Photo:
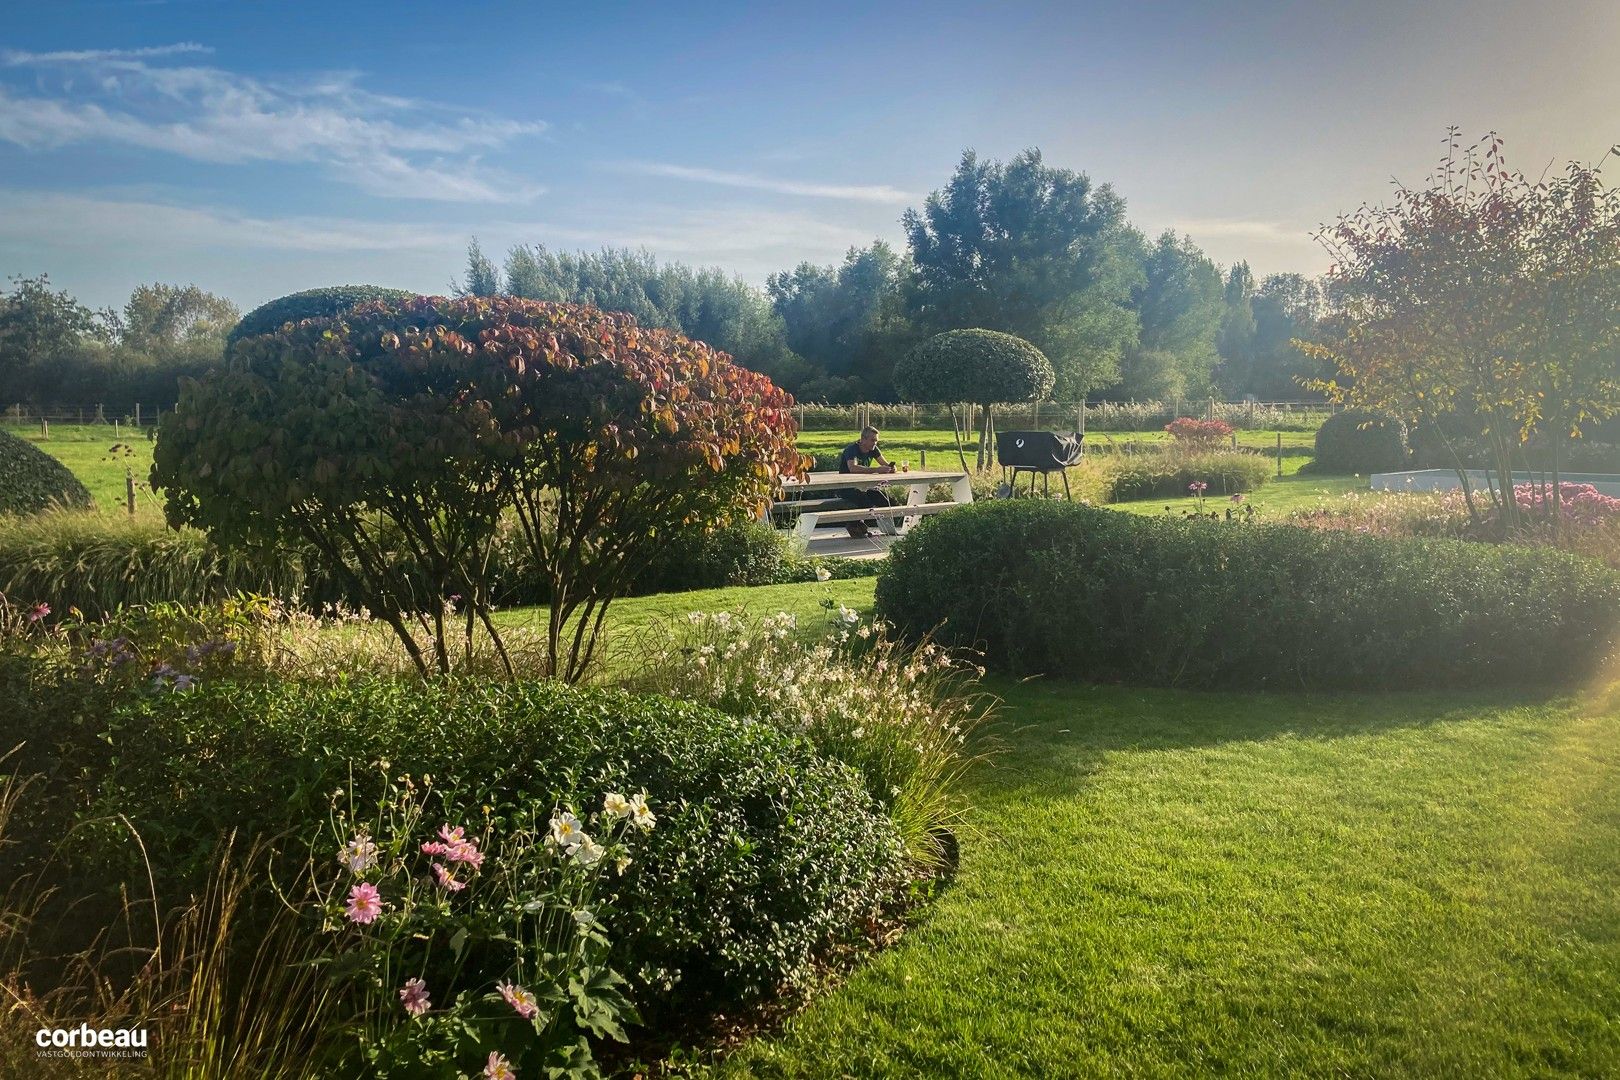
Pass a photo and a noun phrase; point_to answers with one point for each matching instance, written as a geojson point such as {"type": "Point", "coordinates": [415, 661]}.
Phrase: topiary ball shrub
{"type": "Point", "coordinates": [1361, 442]}
{"type": "Point", "coordinates": [1055, 588]}
{"type": "Point", "coordinates": [269, 317]}
{"type": "Point", "coordinates": [764, 852]}
{"type": "Point", "coordinates": [982, 366]}
{"type": "Point", "coordinates": [31, 480]}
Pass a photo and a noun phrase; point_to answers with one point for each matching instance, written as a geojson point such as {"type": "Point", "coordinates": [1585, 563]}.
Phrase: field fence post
{"type": "Point", "coordinates": [129, 490]}
{"type": "Point", "coordinates": [922, 460]}
{"type": "Point", "coordinates": [1279, 455]}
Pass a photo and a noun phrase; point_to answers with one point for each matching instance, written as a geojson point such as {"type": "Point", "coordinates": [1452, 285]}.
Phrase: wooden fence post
{"type": "Point", "coordinates": [1279, 455]}
{"type": "Point", "coordinates": [129, 490]}
{"type": "Point", "coordinates": [922, 460]}
{"type": "Point", "coordinates": [44, 429]}
{"type": "Point", "coordinates": [137, 414]}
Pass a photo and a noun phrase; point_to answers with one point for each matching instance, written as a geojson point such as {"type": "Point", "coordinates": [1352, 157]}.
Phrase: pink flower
{"type": "Point", "coordinates": [453, 846]}
{"type": "Point", "coordinates": [446, 880]}
{"type": "Point", "coordinates": [38, 612]}
{"type": "Point", "coordinates": [414, 996]}
{"type": "Point", "coordinates": [365, 903]}
{"type": "Point", "coordinates": [522, 1001]}
{"type": "Point", "coordinates": [498, 1068]}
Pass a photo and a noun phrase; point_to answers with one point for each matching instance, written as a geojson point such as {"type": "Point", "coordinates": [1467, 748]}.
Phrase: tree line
{"type": "Point", "coordinates": [1020, 247]}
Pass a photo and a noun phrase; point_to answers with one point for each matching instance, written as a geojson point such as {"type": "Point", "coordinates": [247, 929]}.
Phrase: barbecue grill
{"type": "Point", "coordinates": [1043, 452]}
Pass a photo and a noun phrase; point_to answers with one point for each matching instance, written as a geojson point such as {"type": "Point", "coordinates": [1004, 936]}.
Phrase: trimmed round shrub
{"type": "Point", "coordinates": [764, 851]}
{"type": "Point", "coordinates": [1061, 589]}
{"type": "Point", "coordinates": [31, 480]}
{"type": "Point", "coordinates": [269, 317]}
{"type": "Point", "coordinates": [1361, 442]}
{"type": "Point", "coordinates": [981, 366]}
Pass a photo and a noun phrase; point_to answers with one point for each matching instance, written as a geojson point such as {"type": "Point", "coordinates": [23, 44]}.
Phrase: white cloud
{"type": "Point", "coordinates": [880, 193]}
{"type": "Point", "coordinates": [1241, 229]}
{"type": "Point", "coordinates": [386, 146]}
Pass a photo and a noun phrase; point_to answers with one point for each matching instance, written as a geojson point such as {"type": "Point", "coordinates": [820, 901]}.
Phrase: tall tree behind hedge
{"type": "Point", "coordinates": [1179, 304]}
{"type": "Point", "coordinates": [45, 334]}
{"type": "Point", "coordinates": [1030, 250]}
{"type": "Point", "coordinates": [849, 321]}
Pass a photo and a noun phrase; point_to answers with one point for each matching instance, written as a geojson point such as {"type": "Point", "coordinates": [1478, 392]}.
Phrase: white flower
{"type": "Point", "coordinates": [643, 817]}
{"type": "Point", "coordinates": [863, 632]}
{"type": "Point", "coordinates": [584, 918]}
{"type": "Point", "coordinates": [848, 616]}
{"type": "Point", "coordinates": [694, 617]}
{"type": "Point", "coordinates": [358, 855]}
{"type": "Point", "coordinates": [566, 832]}
{"type": "Point", "coordinates": [620, 864]}
{"type": "Point", "coordinates": [823, 574]}
{"type": "Point", "coordinates": [588, 852]}
{"type": "Point", "coordinates": [616, 805]}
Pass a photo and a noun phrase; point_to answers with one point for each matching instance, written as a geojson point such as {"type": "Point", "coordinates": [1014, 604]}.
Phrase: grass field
{"type": "Point", "coordinates": [1171, 883]}
{"type": "Point", "coordinates": [87, 449]}
{"type": "Point", "coordinates": [902, 445]}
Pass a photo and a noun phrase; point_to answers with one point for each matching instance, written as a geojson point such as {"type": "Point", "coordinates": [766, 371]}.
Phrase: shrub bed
{"type": "Point", "coordinates": [1171, 474]}
{"type": "Point", "coordinates": [765, 852]}
{"type": "Point", "coordinates": [1062, 589]}
{"type": "Point", "coordinates": [31, 480]}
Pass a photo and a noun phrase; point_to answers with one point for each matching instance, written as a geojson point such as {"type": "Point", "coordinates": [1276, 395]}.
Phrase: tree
{"type": "Point", "coordinates": [847, 321]}
{"type": "Point", "coordinates": [980, 367]}
{"type": "Point", "coordinates": [1482, 296]}
{"type": "Point", "coordinates": [166, 322]}
{"type": "Point", "coordinates": [1235, 343]}
{"type": "Point", "coordinates": [483, 279]}
{"type": "Point", "coordinates": [43, 333]}
{"type": "Point", "coordinates": [1179, 305]}
{"type": "Point", "coordinates": [1033, 251]}
{"type": "Point", "coordinates": [394, 436]}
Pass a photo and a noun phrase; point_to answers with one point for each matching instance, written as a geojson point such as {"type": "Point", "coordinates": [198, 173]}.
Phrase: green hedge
{"type": "Point", "coordinates": [309, 304]}
{"type": "Point", "coordinates": [31, 480]}
{"type": "Point", "coordinates": [1361, 442]}
{"type": "Point", "coordinates": [764, 852]}
{"type": "Point", "coordinates": [1061, 589]}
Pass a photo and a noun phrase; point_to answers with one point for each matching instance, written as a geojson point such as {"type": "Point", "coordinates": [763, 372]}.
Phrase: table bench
{"type": "Point", "coordinates": [799, 496]}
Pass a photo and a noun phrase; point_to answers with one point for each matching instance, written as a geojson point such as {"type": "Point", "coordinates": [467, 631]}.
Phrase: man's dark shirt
{"type": "Point", "coordinates": [854, 454]}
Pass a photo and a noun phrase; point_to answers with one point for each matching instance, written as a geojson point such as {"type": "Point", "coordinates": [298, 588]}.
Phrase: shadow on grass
{"type": "Point", "coordinates": [1049, 729]}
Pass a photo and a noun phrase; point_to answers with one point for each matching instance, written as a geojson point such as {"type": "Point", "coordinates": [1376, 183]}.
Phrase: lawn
{"type": "Point", "coordinates": [902, 445]}
{"type": "Point", "coordinates": [1161, 882]}
{"type": "Point", "coordinates": [1168, 883]}
{"type": "Point", "coordinates": [87, 449]}
{"type": "Point", "coordinates": [1279, 498]}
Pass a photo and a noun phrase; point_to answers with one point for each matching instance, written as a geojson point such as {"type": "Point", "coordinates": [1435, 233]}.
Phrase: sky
{"type": "Point", "coordinates": [260, 148]}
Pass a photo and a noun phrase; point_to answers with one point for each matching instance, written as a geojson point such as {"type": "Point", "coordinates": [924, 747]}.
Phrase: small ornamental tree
{"type": "Point", "coordinates": [980, 367]}
{"type": "Point", "coordinates": [400, 432]}
{"type": "Point", "coordinates": [1484, 295]}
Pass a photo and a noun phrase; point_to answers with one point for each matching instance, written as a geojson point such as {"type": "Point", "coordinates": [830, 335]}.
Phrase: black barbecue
{"type": "Point", "coordinates": [1043, 452]}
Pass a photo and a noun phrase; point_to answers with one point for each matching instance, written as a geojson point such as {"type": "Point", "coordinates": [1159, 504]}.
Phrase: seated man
{"type": "Point", "coordinates": [863, 456]}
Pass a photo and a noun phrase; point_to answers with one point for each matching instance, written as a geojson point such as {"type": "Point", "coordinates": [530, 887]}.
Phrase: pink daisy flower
{"type": "Point", "coordinates": [498, 1068]}
{"type": "Point", "coordinates": [522, 1001]}
{"type": "Point", "coordinates": [414, 996]}
{"type": "Point", "coordinates": [365, 903]}
{"type": "Point", "coordinates": [446, 880]}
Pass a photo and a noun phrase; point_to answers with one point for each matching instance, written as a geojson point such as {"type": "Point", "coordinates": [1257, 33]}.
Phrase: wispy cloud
{"type": "Point", "coordinates": [879, 193]}
{"type": "Point", "coordinates": [386, 146]}
{"type": "Point", "coordinates": [1240, 229]}
{"type": "Point", "coordinates": [16, 57]}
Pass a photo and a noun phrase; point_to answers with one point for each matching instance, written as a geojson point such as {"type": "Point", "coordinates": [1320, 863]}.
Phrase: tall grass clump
{"type": "Point", "coordinates": [99, 563]}
{"type": "Point", "coordinates": [905, 717]}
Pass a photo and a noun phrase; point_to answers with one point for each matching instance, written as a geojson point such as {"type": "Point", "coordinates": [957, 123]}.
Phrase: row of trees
{"type": "Point", "coordinates": [55, 349]}
{"type": "Point", "coordinates": [1019, 247]}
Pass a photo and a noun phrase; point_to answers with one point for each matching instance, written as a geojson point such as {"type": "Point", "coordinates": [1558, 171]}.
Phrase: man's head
{"type": "Point", "coordinates": [869, 437]}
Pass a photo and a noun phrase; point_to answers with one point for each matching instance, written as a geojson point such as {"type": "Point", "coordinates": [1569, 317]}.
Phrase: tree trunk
{"type": "Point", "coordinates": [956, 430]}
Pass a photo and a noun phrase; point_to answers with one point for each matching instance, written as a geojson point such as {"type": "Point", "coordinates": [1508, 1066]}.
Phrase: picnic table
{"type": "Point", "coordinates": [814, 498]}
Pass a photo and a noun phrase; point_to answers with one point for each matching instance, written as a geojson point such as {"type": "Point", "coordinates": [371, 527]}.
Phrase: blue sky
{"type": "Point", "coordinates": [258, 148]}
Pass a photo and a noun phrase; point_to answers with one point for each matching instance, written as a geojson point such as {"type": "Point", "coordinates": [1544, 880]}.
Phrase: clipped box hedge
{"type": "Point", "coordinates": [1061, 589]}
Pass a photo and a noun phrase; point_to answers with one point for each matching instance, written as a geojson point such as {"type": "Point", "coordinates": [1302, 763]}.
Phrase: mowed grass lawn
{"type": "Point", "coordinates": [902, 444]}
{"type": "Point", "coordinates": [1157, 882]}
{"type": "Point", "coordinates": [88, 450]}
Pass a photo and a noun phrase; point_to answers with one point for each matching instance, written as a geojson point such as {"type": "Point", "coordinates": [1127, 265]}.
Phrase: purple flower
{"type": "Point", "coordinates": [38, 612]}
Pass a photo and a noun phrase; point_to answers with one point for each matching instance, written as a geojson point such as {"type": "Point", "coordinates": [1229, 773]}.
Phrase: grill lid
{"type": "Point", "coordinates": [1046, 451]}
